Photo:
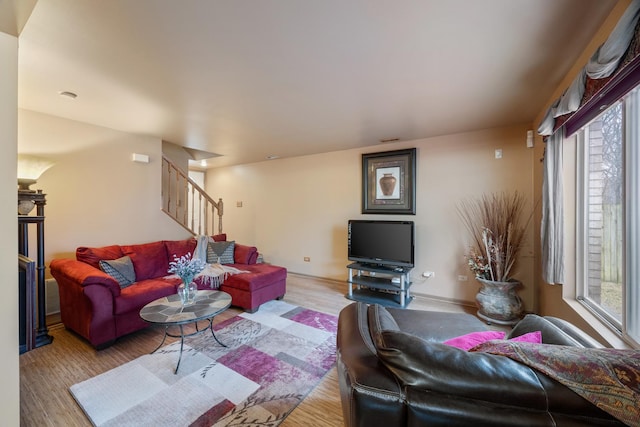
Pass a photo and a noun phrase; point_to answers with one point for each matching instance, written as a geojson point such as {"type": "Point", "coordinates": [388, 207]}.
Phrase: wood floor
{"type": "Point", "coordinates": [46, 373]}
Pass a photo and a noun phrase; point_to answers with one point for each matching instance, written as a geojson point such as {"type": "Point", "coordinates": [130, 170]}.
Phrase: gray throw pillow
{"type": "Point", "coordinates": [120, 269]}
{"type": "Point", "coordinates": [222, 251]}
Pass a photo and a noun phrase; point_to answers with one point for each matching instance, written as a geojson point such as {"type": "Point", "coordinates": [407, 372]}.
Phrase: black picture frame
{"type": "Point", "coordinates": [396, 193]}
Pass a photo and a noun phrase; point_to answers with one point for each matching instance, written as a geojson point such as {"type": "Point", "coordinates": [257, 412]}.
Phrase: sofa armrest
{"type": "Point", "coordinates": [73, 272]}
{"type": "Point", "coordinates": [554, 331]}
{"type": "Point", "coordinates": [244, 254]}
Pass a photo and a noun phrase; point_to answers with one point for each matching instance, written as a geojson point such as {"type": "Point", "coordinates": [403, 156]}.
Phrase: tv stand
{"type": "Point", "coordinates": [388, 286]}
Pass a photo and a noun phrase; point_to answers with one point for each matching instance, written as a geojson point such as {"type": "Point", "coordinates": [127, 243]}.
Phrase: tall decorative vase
{"type": "Point", "coordinates": [387, 184]}
{"type": "Point", "coordinates": [498, 302]}
{"type": "Point", "coordinates": [187, 293]}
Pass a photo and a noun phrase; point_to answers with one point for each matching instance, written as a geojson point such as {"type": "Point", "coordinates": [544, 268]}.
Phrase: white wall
{"type": "Point", "coordinates": [10, 390]}
{"type": "Point", "coordinates": [96, 194]}
{"type": "Point", "coordinates": [292, 208]}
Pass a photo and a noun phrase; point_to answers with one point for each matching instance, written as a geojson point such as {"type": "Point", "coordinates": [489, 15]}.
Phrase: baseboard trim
{"type": "Point", "coordinates": [453, 301]}
{"type": "Point", "coordinates": [324, 279]}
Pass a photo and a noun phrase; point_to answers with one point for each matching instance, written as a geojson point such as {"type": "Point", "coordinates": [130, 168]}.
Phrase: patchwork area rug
{"type": "Point", "coordinates": [274, 358]}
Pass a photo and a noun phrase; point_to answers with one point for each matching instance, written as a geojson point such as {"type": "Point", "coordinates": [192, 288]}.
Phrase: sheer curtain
{"type": "Point", "coordinates": [552, 227]}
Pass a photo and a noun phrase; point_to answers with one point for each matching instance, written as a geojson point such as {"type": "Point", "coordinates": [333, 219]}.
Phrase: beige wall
{"type": "Point", "coordinates": [292, 208]}
{"type": "Point", "coordinates": [176, 154]}
{"type": "Point", "coordinates": [560, 300]}
{"type": "Point", "coordinates": [10, 390]}
{"type": "Point", "coordinates": [96, 194]}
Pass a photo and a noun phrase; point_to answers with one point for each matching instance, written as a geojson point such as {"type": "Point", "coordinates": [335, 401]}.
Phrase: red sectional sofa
{"type": "Point", "coordinates": [93, 304]}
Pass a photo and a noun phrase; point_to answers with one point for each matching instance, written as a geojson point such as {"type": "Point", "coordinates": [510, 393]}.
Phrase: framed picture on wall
{"type": "Point", "coordinates": [389, 182]}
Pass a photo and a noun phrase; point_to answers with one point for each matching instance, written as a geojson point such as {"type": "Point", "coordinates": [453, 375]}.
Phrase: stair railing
{"type": "Point", "coordinates": [187, 203]}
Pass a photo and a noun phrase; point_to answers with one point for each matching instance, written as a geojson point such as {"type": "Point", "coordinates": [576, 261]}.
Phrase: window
{"type": "Point", "coordinates": [607, 216]}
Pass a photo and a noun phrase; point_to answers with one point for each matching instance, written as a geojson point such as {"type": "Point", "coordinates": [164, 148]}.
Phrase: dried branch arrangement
{"type": "Point", "coordinates": [497, 225]}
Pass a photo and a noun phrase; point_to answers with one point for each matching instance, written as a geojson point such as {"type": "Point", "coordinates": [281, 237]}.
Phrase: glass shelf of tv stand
{"type": "Point", "coordinates": [376, 284]}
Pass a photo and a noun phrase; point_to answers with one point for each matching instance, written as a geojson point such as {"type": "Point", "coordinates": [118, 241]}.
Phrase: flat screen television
{"type": "Point", "coordinates": [381, 243]}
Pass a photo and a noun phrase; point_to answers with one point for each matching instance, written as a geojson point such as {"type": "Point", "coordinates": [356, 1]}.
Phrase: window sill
{"type": "Point", "coordinates": [605, 334]}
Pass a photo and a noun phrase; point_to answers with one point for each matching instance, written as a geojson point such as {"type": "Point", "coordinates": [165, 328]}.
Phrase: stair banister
{"type": "Point", "coordinates": [196, 215]}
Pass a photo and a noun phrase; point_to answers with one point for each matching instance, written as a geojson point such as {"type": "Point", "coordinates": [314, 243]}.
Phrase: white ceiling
{"type": "Point", "coordinates": [246, 78]}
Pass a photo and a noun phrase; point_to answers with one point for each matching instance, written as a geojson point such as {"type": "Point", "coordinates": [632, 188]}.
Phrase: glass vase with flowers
{"type": "Point", "coordinates": [186, 268]}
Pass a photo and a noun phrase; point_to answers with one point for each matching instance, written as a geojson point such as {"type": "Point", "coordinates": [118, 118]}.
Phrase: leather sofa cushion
{"type": "Point", "coordinates": [443, 369]}
{"type": "Point", "coordinates": [149, 259]}
{"type": "Point", "coordinates": [435, 326]}
{"type": "Point", "coordinates": [93, 256]}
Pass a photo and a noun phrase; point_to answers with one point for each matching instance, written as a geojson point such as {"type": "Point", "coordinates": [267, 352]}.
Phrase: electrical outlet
{"type": "Point", "coordinates": [238, 204]}
{"type": "Point", "coordinates": [498, 153]}
{"type": "Point", "coordinates": [307, 259]}
{"type": "Point", "coordinates": [462, 278]}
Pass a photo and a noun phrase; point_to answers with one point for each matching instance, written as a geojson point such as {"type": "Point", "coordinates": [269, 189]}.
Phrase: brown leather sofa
{"type": "Point", "coordinates": [444, 385]}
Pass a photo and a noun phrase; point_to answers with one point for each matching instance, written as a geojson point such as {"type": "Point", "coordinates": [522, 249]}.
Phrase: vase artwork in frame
{"type": "Point", "coordinates": [388, 182]}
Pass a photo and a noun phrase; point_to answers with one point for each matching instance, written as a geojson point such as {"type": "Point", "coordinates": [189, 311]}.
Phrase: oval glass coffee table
{"type": "Point", "coordinates": [169, 312]}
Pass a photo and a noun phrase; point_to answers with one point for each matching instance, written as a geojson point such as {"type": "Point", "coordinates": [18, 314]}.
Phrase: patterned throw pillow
{"type": "Point", "coordinates": [222, 251]}
{"type": "Point", "coordinates": [120, 269]}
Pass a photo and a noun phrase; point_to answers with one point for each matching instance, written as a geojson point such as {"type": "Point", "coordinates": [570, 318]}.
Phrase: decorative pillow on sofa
{"type": "Point", "coordinates": [150, 260]}
{"type": "Point", "coordinates": [180, 248]}
{"type": "Point", "coordinates": [92, 256]}
{"type": "Point", "coordinates": [120, 269]}
{"type": "Point", "coordinates": [244, 254]}
{"type": "Point", "coordinates": [468, 341]}
{"type": "Point", "coordinates": [220, 252]}
{"type": "Point", "coordinates": [533, 337]}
